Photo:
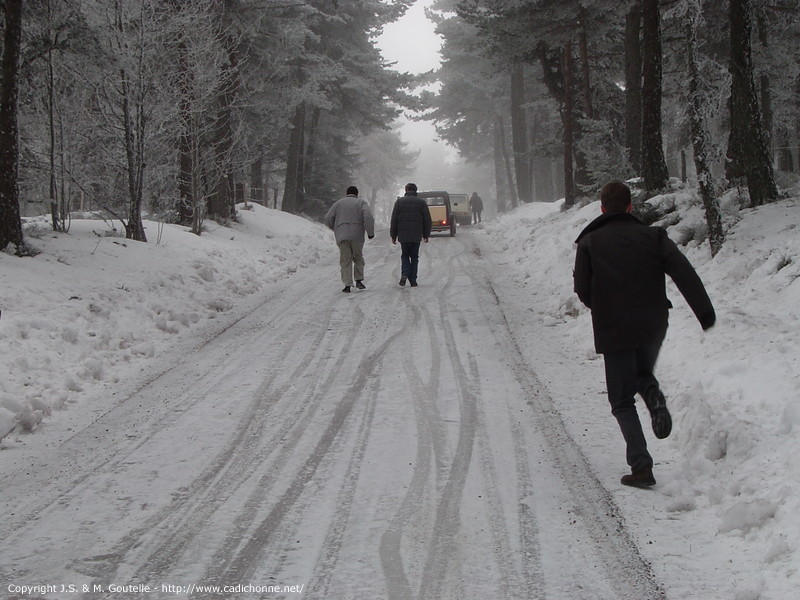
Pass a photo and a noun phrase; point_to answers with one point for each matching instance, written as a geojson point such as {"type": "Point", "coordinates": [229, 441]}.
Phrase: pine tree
{"type": "Point", "coordinates": [700, 139]}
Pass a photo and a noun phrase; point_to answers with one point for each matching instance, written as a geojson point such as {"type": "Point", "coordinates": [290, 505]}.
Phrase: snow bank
{"type": "Point", "coordinates": [91, 306]}
{"type": "Point", "coordinates": [733, 391]}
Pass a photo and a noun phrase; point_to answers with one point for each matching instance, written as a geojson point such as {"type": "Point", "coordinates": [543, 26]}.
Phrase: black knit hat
{"type": "Point", "coordinates": [352, 191]}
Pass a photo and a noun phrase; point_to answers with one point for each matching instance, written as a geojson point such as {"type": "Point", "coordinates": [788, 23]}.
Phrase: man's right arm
{"type": "Point", "coordinates": [393, 223]}
{"type": "Point", "coordinates": [681, 271]}
{"type": "Point", "coordinates": [582, 276]}
{"type": "Point", "coordinates": [330, 216]}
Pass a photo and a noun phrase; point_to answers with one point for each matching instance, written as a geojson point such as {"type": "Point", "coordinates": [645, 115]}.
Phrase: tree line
{"type": "Point", "coordinates": [182, 108]}
{"type": "Point", "coordinates": [563, 95]}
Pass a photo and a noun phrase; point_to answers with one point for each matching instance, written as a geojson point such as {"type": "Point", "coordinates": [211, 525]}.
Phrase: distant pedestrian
{"type": "Point", "coordinates": [476, 204]}
{"type": "Point", "coordinates": [620, 270]}
{"type": "Point", "coordinates": [411, 224]}
{"type": "Point", "coordinates": [350, 217]}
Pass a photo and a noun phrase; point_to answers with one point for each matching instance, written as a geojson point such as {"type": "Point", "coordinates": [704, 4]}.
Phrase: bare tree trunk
{"type": "Point", "coordinates": [764, 88]}
{"type": "Point", "coordinates": [654, 166]}
{"type": "Point", "coordinates": [257, 193]}
{"type": "Point", "coordinates": [519, 132]}
{"type": "Point", "coordinates": [185, 166]}
{"type": "Point", "coordinates": [633, 88]}
{"type": "Point", "coordinates": [51, 117]}
{"type": "Point", "coordinates": [507, 160]}
{"type": "Point", "coordinates": [785, 159]}
{"type": "Point", "coordinates": [499, 181]}
{"type": "Point", "coordinates": [223, 202]}
{"type": "Point", "coordinates": [586, 81]}
{"type": "Point", "coordinates": [568, 120]}
{"type": "Point", "coordinates": [133, 132]}
{"type": "Point", "coordinates": [294, 162]}
{"type": "Point", "coordinates": [10, 221]}
{"type": "Point", "coordinates": [700, 142]}
{"type": "Point", "coordinates": [747, 147]}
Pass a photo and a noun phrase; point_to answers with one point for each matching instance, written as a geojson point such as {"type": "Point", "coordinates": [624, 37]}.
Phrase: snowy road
{"type": "Point", "coordinates": [390, 443]}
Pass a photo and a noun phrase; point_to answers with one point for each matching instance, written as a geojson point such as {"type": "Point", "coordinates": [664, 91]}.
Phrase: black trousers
{"type": "Point", "coordinates": [629, 372]}
{"type": "Point", "coordinates": [409, 260]}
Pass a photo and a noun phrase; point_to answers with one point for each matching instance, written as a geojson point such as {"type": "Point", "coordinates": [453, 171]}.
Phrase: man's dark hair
{"type": "Point", "coordinates": [352, 191]}
{"type": "Point", "coordinates": [615, 197]}
{"type": "Point", "coordinates": [411, 187]}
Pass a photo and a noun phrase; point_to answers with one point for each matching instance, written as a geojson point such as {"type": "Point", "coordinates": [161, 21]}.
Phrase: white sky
{"type": "Point", "coordinates": [412, 44]}
{"type": "Point", "coordinates": [411, 41]}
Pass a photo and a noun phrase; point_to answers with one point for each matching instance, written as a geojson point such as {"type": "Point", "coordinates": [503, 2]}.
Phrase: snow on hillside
{"type": "Point", "coordinates": [91, 313]}
{"type": "Point", "coordinates": [91, 308]}
{"type": "Point", "coordinates": [729, 469]}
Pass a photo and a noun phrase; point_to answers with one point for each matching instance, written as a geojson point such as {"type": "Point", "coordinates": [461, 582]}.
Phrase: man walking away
{"type": "Point", "coordinates": [411, 223]}
{"type": "Point", "coordinates": [350, 217]}
{"type": "Point", "coordinates": [476, 204]}
{"type": "Point", "coordinates": [620, 269]}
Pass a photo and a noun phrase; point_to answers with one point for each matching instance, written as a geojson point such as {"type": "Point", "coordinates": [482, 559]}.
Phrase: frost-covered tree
{"type": "Point", "coordinates": [748, 155]}
{"type": "Point", "coordinates": [384, 161]}
{"type": "Point", "coordinates": [344, 90]}
{"type": "Point", "coordinates": [698, 111]}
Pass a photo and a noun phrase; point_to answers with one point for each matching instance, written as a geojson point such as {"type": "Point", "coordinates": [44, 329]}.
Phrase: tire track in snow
{"type": "Point", "coordinates": [437, 572]}
{"type": "Point", "coordinates": [629, 574]}
{"type": "Point", "coordinates": [153, 554]}
{"type": "Point", "coordinates": [529, 582]}
{"type": "Point", "coordinates": [429, 448]}
{"type": "Point", "coordinates": [144, 413]}
{"type": "Point", "coordinates": [319, 583]}
{"type": "Point", "coordinates": [239, 562]}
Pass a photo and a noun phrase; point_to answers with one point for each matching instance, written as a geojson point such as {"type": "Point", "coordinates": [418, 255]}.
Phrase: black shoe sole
{"type": "Point", "coordinates": [659, 415]}
{"type": "Point", "coordinates": [662, 423]}
{"type": "Point", "coordinates": [403, 281]}
{"type": "Point", "coordinates": [642, 484]}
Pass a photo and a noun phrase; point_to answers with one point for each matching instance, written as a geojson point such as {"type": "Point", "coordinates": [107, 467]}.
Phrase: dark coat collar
{"type": "Point", "coordinates": [604, 219]}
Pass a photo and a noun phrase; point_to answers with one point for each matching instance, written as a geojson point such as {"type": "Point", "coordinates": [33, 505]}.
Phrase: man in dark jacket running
{"type": "Point", "coordinates": [411, 223]}
{"type": "Point", "coordinates": [620, 269]}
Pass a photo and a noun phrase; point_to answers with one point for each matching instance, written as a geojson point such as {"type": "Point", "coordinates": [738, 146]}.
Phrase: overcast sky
{"type": "Point", "coordinates": [412, 44]}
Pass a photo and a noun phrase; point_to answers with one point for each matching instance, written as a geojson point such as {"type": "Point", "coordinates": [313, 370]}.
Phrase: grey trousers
{"type": "Point", "coordinates": [351, 261]}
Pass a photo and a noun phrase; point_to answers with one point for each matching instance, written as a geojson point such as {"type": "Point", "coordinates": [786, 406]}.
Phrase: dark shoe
{"type": "Point", "coordinates": [659, 415]}
{"type": "Point", "coordinates": [346, 289]}
{"type": "Point", "coordinates": [403, 280]}
{"type": "Point", "coordinates": [413, 284]}
{"type": "Point", "coordinates": [639, 479]}
{"type": "Point", "coordinates": [360, 285]}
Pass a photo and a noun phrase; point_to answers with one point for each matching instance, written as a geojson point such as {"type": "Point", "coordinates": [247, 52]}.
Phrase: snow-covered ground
{"type": "Point", "coordinates": [728, 475]}
{"type": "Point", "coordinates": [93, 308]}
{"type": "Point", "coordinates": [91, 314]}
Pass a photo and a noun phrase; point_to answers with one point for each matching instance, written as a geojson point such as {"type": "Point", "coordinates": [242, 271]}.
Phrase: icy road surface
{"type": "Point", "coordinates": [390, 443]}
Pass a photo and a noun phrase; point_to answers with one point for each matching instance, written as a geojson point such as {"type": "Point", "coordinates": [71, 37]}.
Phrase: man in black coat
{"type": "Point", "coordinates": [411, 223]}
{"type": "Point", "coordinates": [620, 269]}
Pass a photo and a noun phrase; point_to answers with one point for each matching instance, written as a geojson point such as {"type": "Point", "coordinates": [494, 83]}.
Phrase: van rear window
{"type": "Point", "coordinates": [435, 201]}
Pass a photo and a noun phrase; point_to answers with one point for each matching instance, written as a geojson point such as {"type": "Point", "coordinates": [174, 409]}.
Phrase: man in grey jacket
{"type": "Point", "coordinates": [350, 217]}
